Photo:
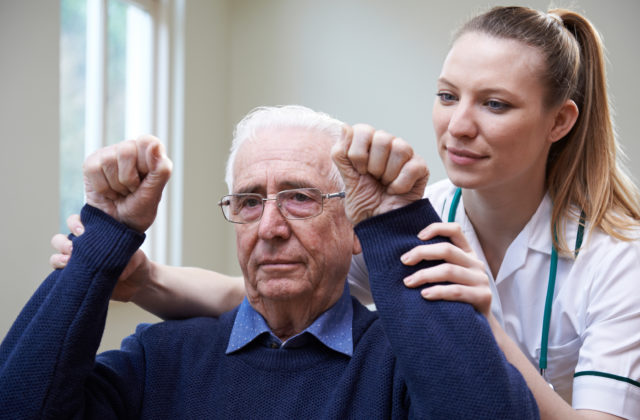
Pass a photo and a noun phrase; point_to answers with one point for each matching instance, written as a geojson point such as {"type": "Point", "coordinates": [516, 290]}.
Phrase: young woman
{"type": "Point", "coordinates": [543, 221]}
{"type": "Point", "coordinates": [524, 131]}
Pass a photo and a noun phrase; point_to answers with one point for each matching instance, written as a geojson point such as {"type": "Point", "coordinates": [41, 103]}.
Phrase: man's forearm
{"type": "Point", "coordinates": [446, 351]}
{"type": "Point", "coordinates": [52, 344]}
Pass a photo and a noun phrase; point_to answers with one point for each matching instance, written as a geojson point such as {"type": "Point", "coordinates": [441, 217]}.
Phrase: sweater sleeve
{"type": "Point", "coordinates": [446, 352]}
{"type": "Point", "coordinates": [47, 358]}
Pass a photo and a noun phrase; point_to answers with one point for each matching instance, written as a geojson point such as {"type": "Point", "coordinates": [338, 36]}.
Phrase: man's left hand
{"type": "Point", "coordinates": [380, 171]}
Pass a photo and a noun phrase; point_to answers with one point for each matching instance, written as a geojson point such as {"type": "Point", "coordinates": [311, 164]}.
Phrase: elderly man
{"type": "Point", "coordinates": [299, 346]}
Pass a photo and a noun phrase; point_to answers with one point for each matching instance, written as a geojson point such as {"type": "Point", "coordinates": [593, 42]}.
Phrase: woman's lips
{"type": "Point", "coordinates": [463, 157]}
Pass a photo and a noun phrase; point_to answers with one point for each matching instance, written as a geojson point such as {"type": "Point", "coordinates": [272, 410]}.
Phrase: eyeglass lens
{"type": "Point", "coordinates": [301, 203]}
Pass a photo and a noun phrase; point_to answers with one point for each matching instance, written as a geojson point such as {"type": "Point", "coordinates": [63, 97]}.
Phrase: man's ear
{"type": "Point", "coordinates": [565, 119]}
{"type": "Point", "coordinates": [356, 244]}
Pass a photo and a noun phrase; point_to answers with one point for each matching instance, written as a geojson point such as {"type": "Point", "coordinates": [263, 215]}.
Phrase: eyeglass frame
{"type": "Point", "coordinates": [323, 196]}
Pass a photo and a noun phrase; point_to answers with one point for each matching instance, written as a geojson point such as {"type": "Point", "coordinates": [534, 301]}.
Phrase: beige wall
{"type": "Point", "coordinates": [371, 61]}
{"type": "Point", "coordinates": [29, 33]}
{"type": "Point", "coordinates": [377, 61]}
{"type": "Point", "coordinates": [207, 134]}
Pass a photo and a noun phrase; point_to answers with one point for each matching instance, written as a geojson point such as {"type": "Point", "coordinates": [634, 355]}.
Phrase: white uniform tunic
{"type": "Point", "coordinates": [595, 320]}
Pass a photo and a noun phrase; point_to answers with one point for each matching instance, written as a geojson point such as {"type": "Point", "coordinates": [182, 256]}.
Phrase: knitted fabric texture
{"type": "Point", "coordinates": [418, 359]}
{"type": "Point", "coordinates": [459, 339]}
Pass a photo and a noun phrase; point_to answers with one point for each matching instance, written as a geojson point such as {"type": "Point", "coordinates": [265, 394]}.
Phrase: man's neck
{"type": "Point", "coordinates": [287, 318]}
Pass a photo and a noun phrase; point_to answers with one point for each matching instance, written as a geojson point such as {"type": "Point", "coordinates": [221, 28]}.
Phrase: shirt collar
{"type": "Point", "coordinates": [538, 228]}
{"type": "Point", "coordinates": [536, 234]}
{"type": "Point", "coordinates": [333, 328]}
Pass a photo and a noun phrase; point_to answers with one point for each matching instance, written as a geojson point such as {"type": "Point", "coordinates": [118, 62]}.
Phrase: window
{"type": "Point", "coordinates": [114, 85]}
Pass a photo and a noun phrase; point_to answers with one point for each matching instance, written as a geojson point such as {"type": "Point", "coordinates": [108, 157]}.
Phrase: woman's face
{"type": "Point", "coordinates": [491, 123]}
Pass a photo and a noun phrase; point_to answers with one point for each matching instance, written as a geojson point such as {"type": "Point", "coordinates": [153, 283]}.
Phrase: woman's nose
{"type": "Point", "coordinates": [462, 122]}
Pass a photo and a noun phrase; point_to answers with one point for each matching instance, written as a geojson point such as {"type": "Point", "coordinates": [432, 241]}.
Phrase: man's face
{"type": "Point", "coordinates": [292, 261]}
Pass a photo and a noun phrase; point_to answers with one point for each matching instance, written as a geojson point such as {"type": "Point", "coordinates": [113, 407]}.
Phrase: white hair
{"type": "Point", "coordinates": [286, 116]}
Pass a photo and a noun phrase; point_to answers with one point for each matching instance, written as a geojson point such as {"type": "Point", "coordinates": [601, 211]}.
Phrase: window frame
{"type": "Point", "coordinates": [163, 243]}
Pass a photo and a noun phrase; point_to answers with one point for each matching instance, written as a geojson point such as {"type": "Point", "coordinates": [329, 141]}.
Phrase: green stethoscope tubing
{"type": "Point", "coordinates": [553, 268]}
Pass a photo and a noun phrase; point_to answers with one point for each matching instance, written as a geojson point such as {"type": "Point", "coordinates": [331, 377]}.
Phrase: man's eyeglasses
{"type": "Point", "coordinates": [299, 203]}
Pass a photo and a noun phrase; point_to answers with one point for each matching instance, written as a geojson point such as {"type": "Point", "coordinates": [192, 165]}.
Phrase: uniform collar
{"type": "Point", "coordinates": [333, 328]}
{"type": "Point", "coordinates": [536, 235]}
{"type": "Point", "coordinates": [538, 229]}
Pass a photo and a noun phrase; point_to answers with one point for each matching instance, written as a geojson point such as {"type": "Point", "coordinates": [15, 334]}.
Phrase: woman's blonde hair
{"type": "Point", "coordinates": [583, 171]}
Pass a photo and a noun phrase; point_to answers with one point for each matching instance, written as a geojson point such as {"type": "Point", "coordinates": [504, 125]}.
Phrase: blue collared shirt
{"type": "Point", "coordinates": [333, 328]}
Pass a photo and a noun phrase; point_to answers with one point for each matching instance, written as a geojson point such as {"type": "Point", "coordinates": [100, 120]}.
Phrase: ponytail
{"type": "Point", "coordinates": [583, 171]}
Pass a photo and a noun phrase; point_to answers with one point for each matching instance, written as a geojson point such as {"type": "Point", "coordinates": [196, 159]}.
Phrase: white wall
{"type": "Point", "coordinates": [372, 61]}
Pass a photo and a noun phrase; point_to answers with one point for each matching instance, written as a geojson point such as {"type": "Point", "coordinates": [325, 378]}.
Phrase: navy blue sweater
{"type": "Point", "coordinates": [413, 359]}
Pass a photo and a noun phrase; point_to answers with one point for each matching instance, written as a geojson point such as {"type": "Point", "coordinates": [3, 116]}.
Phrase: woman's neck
{"type": "Point", "coordinates": [498, 216]}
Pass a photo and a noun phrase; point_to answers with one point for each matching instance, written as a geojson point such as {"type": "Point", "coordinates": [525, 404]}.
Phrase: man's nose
{"type": "Point", "coordinates": [273, 224]}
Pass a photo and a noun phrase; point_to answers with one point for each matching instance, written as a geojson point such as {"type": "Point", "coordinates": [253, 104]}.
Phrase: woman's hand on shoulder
{"type": "Point", "coordinates": [461, 268]}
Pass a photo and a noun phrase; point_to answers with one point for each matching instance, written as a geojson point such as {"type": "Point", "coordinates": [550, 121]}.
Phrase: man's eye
{"type": "Point", "coordinates": [251, 202]}
{"type": "Point", "coordinates": [301, 197]}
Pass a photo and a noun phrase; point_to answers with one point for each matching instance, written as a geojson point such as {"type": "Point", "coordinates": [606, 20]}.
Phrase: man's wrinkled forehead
{"type": "Point", "coordinates": [284, 183]}
{"type": "Point", "coordinates": [285, 159]}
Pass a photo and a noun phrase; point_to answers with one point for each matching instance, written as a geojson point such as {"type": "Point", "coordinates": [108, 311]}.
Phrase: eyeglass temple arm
{"type": "Point", "coordinates": [340, 194]}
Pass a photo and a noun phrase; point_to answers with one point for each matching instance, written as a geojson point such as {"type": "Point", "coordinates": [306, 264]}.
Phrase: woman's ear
{"type": "Point", "coordinates": [565, 119]}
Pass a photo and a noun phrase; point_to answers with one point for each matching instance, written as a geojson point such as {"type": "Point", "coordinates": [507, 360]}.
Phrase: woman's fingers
{"type": "Point", "coordinates": [63, 245]}
{"type": "Point", "coordinates": [453, 231]}
{"type": "Point", "coordinates": [75, 225]}
{"type": "Point", "coordinates": [447, 273]}
{"type": "Point", "coordinates": [464, 274]}
{"type": "Point", "coordinates": [478, 297]}
{"type": "Point", "coordinates": [440, 251]}
{"type": "Point", "coordinates": [469, 285]}
{"type": "Point", "coordinates": [58, 261]}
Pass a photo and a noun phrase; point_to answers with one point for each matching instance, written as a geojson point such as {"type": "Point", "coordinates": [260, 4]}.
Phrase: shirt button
{"type": "Point", "coordinates": [274, 345]}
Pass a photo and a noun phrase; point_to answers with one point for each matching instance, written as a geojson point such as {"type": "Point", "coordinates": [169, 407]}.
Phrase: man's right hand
{"type": "Point", "coordinates": [126, 180]}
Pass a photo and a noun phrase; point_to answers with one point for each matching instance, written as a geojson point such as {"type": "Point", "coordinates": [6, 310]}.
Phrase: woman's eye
{"type": "Point", "coordinates": [497, 105]}
{"type": "Point", "coordinates": [446, 97]}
